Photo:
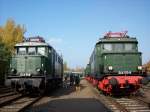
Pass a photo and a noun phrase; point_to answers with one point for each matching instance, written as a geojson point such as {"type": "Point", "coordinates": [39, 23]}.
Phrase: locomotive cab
{"type": "Point", "coordinates": [34, 66]}
{"type": "Point", "coordinates": [116, 64]}
{"type": "Point", "coordinates": [121, 57]}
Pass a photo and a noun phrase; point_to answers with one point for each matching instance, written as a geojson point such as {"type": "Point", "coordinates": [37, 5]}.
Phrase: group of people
{"type": "Point", "coordinates": [73, 80]}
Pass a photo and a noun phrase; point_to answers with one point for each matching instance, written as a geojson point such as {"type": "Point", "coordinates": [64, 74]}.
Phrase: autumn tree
{"type": "Point", "coordinates": [11, 34]}
{"type": "Point", "coordinates": [3, 61]}
{"type": "Point", "coordinates": [147, 67]}
{"type": "Point", "coordinates": [3, 51]}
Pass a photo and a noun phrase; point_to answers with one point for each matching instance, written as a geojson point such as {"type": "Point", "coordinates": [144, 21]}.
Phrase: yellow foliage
{"type": "Point", "coordinates": [11, 34]}
{"type": "Point", "coordinates": [147, 67]}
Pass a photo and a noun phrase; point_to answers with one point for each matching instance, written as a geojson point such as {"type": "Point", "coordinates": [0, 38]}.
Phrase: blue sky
{"type": "Point", "coordinates": [74, 26]}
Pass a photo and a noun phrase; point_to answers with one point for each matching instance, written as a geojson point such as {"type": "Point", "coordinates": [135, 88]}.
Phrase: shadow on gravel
{"type": "Point", "coordinates": [63, 91]}
{"type": "Point", "coordinates": [71, 105]}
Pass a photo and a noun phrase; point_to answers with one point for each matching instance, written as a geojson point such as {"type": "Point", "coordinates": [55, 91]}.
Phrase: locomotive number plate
{"type": "Point", "coordinates": [124, 72]}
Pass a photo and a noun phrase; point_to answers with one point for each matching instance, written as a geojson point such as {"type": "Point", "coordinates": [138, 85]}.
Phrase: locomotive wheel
{"type": "Point", "coordinates": [113, 81]}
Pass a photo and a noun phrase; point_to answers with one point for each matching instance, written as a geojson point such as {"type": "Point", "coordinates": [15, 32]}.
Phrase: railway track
{"type": "Point", "coordinates": [11, 101]}
{"type": "Point", "coordinates": [7, 99]}
{"type": "Point", "coordinates": [4, 90]}
{"type": "Point", "coordinates": [147, 87]}
{"type": "Point", "coordinates": [123, 104]}
{"type": "Point", "coordinates": [131, 105]}
{"type": "Point", "coordinates": [7, 94]}
{"type": "Point", "coordinates": [19, 104]}
{"type": "Point", "coordinates": [142, 101]}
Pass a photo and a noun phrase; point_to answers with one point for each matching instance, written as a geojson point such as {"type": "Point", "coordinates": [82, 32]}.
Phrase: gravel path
{"type": "Point", "coordinates": [69, 100]}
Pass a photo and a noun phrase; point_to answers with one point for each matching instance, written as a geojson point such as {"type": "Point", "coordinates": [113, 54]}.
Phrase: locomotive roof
{"type": "Point", "coordinates": [117, 39]}
{"type": "Point", "coordinates": [32, 44]}
{"type": "Point", "coordinates": [35, 44]}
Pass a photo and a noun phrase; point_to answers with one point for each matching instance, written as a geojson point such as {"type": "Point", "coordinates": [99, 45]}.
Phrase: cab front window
{"type": "Point", "coordinates": [22, 50]}
{"type": "Point", "coordinates": [31, 51]}
{"type": "Point", "coordinates": [128, 47]}
{"type": "Point", "coordinates": [107, 47]}
{"type": "Point", "coordinates": [118, 47]}
{"type": "Point", "coordinates": [41, 50]}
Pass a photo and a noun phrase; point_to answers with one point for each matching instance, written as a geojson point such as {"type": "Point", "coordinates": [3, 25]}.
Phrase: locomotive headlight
{"type": "Point", "coordinates": [13, 70]}
{"type": "Point", "coordinates": [110, 68]}
{"type": "Point", "coordinates": [38, 70]}
{"type": "Point", "coordinates": [139, 67]}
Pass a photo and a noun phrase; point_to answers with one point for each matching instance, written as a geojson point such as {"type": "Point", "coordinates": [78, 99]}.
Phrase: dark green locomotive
{"type": "Point", "coordinates": [87, 70]}
{"type": "Point", "coordinates": [116, 64]}
{"type": "Point", "coordinates": [35, 66]}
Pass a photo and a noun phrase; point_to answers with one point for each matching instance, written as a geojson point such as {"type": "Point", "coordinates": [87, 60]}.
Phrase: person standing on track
{"type": "Point", "coordinates": [71, 80]}
{"type": "Point", "coordinates": [66, 82]}
{"type": "Point", "coordinates": [77, 82]}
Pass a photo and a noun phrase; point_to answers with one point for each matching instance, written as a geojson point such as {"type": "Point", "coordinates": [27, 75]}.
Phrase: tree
{"type": "Point", "coordinates": [147, 67]}
{"type": "Point", "coordinates": [3, 61]}
{"type": "Point", "coordinates": [2, 50]}
{"type": "Point", "coordinates": [11, 34]}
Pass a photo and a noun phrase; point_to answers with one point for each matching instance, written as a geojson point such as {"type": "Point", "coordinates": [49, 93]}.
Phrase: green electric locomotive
{"type": "Point", "coordinates": [36, 66]}
{"type": "Point", "coordinates": [87, 70]}
{"type": "Point", "coordinates": [116, 64]}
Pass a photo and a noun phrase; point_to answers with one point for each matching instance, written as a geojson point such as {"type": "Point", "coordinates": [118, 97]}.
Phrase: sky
{"type": "Point", "coordinates": [73, 27]}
